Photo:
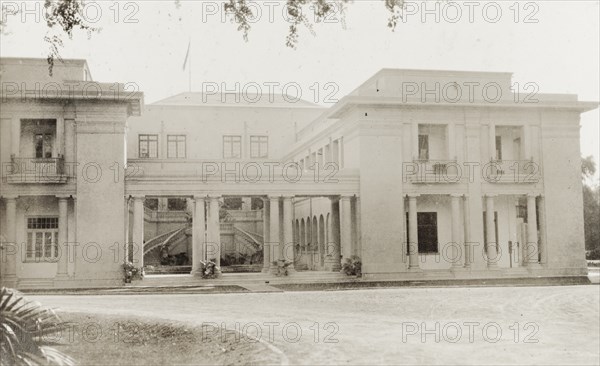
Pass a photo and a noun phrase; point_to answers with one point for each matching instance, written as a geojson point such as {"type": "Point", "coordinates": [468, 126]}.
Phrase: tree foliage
{"type": "Point", "coordinates": [64, 17]}
{"type": "Point", "coordinates": [297, 11]}
{"type": "Point", "coordinates": [588, 167]}
{"type": "Point", "coordinates": [591, 205]}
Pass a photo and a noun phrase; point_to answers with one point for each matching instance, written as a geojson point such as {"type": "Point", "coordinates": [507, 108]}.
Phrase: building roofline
{"type": "Point", "coordinates": [43, 60]}
{"type": "Point", "coordinates": [165, 102]}
{"type": "Point", "coordinates": [428, 72]}
{"type": "Point", "coordinates": [352, 100]}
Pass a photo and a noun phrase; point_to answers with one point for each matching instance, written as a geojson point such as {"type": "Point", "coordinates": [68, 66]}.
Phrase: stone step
{"type": "Point", "coordinates": [243, 278]}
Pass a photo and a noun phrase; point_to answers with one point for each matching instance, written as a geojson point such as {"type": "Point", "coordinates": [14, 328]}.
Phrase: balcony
{"type": "Point", "coordinates": [432, 171]}
{"type": "Point", "coordinates": [35, 170]}
{"type": "Point", "coordinates": [511, 171]}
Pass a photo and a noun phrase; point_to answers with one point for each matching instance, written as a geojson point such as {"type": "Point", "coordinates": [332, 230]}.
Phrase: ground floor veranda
{"type": "Point", "coordinates": [311, 232]}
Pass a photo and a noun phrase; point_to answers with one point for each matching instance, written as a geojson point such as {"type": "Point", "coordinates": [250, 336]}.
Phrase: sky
{"type": "Point", "coordinates": [554, 44]}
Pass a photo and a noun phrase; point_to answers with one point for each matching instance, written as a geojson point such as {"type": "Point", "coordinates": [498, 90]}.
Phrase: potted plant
{"type": "Point", "coordinates": [352, 266]}
{"type": "Point", "coordinates": [210, 269]}
{"type": "Point", "coordinates": [132, 272]}
{"type": "Point", "coordinates": [282, 267]}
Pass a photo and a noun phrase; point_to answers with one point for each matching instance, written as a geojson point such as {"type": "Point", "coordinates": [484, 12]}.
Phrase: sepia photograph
{"type": "Point", "coordinates": [299, 182]}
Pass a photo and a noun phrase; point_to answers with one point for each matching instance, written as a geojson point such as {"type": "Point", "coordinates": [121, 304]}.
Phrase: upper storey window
{"type": "Point", "coordinates": [259, 146]}
{"type": "Point", "coordinates": [232, 147]}
{"type": "Point", "coordinates": [37, 139]}
{"type": "Point", "coordinates": [176, 146]}
{"type": "Point", "coordinates": [423, 147]}
{"type": "Point", "coordinates": [508, 143]}
{"type": "Point", "coordinates": [44, 143]}
{"type": "Point", "coordinates": [148, 146]}
{"type": "Point", "coordinates": [432, 142]}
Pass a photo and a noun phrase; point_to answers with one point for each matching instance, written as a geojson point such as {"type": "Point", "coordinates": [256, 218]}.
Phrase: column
{"type": "Point", "coordinates": [346, 227]}
{"type": "Point", "coordinates": [490, 233]}
{"type": "Point", "coordinates": [532, 235]}
{"type": "Point", "coordinates": [467, 226]}
{"type": "Point", "coordinates": [358, 249]}
{"type": "Point", "coordinates": [74, 267]}
{"type": "Point", "coordinates": [413, 234]}
{"type": "Point", "coordinates": [213, 250]}
{"type": "Point", "coordinates": [266, 236]}
{"type": "Point", "coordinates": [456, 252]}
{"type": "Point", "coordinates": [542, 245]}
{"type": "Point", "coordinates": [287, 251]}
{"type": "Point", "coordinates": [62, 269]}
{"type": "Point", "coordinates": [60, 137]}
{"type": "Point", "coordinates": [16, 137]}
{"type": "Point", "coordinates": [69, 142]}
{"type": "Point", "coordinates": [335, 235]}
{"type": "Point", "coordinates": [10, 248]}
{"type": "Point", "coordinates": [126, 236]}
{"type": "Point", "coordinates": [198, 235]}
{"type": "Point", "coordinates": [138, 231]}
{"type": "Point", "coordinates": [274, 230]}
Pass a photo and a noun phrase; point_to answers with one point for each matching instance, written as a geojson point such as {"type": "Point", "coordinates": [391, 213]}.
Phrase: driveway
{"type": "Point", "coordinates": [495, 325]}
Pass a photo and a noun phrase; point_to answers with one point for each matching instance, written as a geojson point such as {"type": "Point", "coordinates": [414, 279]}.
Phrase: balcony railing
{"type": "Point", "coordinates": [165, 216]}
{"type": "Point", "coordinates": [432, 171]}
{"type": "Point", "coordinates": [511, 171]}
{"type": "Point", "coordinates": [35, 170]}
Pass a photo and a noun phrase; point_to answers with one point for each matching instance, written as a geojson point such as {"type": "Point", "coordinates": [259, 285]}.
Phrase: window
{"type": "Point", "coordinates": [232, 203]}
{"type": "Point", "coordinates": [498, 147]}
{"type": "Point", "coordinates": [42, 238]}
{"type": "Point", "coordinates": [427, 235]}
{"type": "Point", "coordinates": [151, 203]}
{"type": "Point", "coordinates": [176, 146]}
{"type": "Point", "coordinates": [176, 204]}
{"type": "Point", "coordinates": [148, 146]}
{"type": "Point", "coordinates": [259, 146]}
{"type": "Point", "coordinates": [232, 147]}
{"type": "Point", "coordinates": [521, 209]}
{"type": "Point", "coordinates": [256, 203]}
{"type": "Point", "coordinates": [43, 145]}
{"type": "Point", "coordinates": [423, 147]}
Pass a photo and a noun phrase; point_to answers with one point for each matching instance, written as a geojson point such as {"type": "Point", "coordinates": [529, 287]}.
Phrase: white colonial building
{"type": "Point", "coordinates": [419, 173]}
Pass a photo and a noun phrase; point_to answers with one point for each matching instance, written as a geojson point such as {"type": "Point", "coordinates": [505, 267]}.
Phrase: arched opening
{"type": "Point", "coordinates": [309, 243]}
{"type": "Point", "coordinates": [302, 258]}
{"type": "Point", "coordinates": [315, 242]}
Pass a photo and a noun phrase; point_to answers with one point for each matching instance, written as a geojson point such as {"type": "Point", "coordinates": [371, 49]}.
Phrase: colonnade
{"type": "Point", "coordinates": [461, 236]}
{"type": "Point", "coordinates": [280, 236]}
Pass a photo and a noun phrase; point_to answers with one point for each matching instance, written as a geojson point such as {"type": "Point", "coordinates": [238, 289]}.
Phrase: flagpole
{"type": "Point", "coordinates": [190, 69]}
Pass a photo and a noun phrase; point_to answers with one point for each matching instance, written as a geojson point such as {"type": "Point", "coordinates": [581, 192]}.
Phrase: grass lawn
{"type": "Point", "coordinates": [118, 340]}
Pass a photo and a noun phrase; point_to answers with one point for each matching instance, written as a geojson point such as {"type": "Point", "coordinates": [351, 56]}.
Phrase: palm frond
{"type": "Point", "coordinates": [23, 324]}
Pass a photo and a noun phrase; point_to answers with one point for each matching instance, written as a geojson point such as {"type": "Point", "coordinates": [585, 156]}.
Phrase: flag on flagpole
{"type": "Point", "coordinates": [187, 55]}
